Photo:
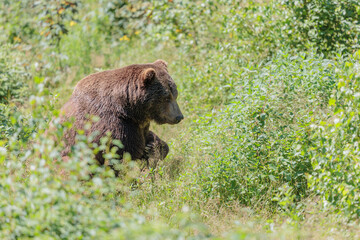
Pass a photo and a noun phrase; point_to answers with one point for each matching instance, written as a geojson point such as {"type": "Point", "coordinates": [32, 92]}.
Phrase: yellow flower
{"type": "Point", "coordinates": [72, 23]}
{"type": "Point", "coordinates": [124, 38]}
{"type": "Point", "coordinates": [17, 39]}
{"type": "Point", "coordinates": [137, 32]}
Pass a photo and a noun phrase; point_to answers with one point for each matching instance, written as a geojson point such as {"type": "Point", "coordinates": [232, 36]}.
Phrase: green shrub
{"type": "Point", "coordinates": [13, 124]}
{"type": "Point", "coordinates": [256, 28]}
{"type": "Point", "coordinates": [6, 128]}
{"type": "Point", "coordinates": [185, 23]}
{"type": "Point", "coordinates": [17, 24]}
{"type": "Point", "coordinates": [13, 76]}
{"type": "Point", "coordinates": [334, 145]}
{"type": "Point", "coordinates": [259, 134]}
{"type": "Point", "coordinates": [125, 17]}
{"type": "Point", "coordinates": [328, 25]}
{"type": "Point", "coordinates": [38, 202]}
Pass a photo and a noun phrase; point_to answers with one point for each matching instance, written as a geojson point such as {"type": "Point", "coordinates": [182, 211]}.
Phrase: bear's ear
{"type": "Point", "coordinates": [161, 63]}
{"type": "Point", "coordinates": [147, 76]}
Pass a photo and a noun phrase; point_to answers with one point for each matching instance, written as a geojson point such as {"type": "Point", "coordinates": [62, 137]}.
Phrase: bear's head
{"type": "Point", "coordinates": [161, 94]}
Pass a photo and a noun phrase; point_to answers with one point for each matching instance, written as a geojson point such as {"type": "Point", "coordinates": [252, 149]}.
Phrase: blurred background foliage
{"type": "Point", "coordinates": [269, 148]}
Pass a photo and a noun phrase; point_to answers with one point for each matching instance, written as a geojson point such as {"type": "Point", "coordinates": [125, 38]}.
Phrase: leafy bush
{"type": "Point", "coordinates": [124, 17]}
{"type": "Point", "coordinates": [185, 23]}
{"type": "Point", "coordinates": [13, 76]}
{"type": "Point", "coordinates": [16, 22]}
{"type": "Point", "coordinates": [335, 144]}
{"type": "Point", "coordinates": [188, 23]}
{"type": "Point", "coordinates": [13, 124]}
{"type": "Point", "coordinates": [54, 15]}
{"type": "Point", "coordinates": [256, 28]}
{"type": "Point", "coordinates": [260, 133]}
{"type": "Point", "coordinates": [329, 25]}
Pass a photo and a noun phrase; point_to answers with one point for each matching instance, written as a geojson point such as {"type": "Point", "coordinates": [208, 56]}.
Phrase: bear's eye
{"type": "Point", "coordinates": [167, 95]}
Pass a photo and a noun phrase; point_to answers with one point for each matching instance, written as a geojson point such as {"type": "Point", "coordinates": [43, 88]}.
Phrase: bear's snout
{"type": "Point", "coordinates": [179, 118]}
{"type": "Point", "coordinates": [174, 114]}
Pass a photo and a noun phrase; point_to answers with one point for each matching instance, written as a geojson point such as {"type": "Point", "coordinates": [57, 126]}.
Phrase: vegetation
{"type": "Point", "coordinates": [268, 149]}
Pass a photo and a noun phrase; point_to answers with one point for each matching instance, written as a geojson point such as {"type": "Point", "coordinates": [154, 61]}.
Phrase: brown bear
{"type": "Point", "coordinates": [126, 100]}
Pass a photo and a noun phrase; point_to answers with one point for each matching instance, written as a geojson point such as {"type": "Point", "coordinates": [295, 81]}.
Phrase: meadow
{"type": "Point", "coordinates": [269, 147]}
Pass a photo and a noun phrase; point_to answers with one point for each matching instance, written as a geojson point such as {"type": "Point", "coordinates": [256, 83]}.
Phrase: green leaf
{"type": "Point", "coordinates": [332, 102]}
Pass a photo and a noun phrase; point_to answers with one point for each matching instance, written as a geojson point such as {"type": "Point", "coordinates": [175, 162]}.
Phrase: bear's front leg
{"type": "Point", "coordinates": [155, 148]}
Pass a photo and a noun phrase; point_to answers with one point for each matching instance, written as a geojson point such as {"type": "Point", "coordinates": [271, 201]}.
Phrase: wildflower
{"type": "Point", "coordinates": [17, 39]}
{"type": "Point", "coordinates": [124, 38]}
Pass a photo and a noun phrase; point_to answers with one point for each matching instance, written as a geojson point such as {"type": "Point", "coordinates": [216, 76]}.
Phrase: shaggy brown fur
{"type": "Point", "coordinates": [125, 100]}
